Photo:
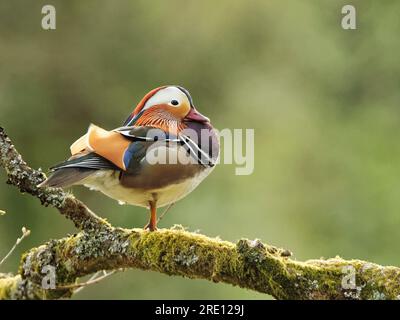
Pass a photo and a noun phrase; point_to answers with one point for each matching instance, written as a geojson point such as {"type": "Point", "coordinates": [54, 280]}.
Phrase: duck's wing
{"type": "Point", "coordinates": [76, 169]}
{"type": "Point", "coordinates": [111, 145]}
{"type": "Point", "coordinates": [98, 149]}
{"type": "Point", "coordinates": [152, 134]}
{"type": "Point", "coordinates": [88, 161]}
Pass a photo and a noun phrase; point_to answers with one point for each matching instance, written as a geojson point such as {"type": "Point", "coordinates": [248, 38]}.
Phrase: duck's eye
{"type": "Point", "coordinates": [174, 102]}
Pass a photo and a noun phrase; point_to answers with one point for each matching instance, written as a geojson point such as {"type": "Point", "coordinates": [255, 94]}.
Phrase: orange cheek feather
{"type": "Point", "coordinates": [165, 117]}
{"type": "Point", "coordinates": [157, 120]}
{"type": "Point", "coordinates": [179, 112]}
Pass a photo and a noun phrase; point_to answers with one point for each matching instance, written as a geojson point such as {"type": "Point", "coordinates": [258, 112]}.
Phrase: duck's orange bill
{"type": "Point", "coordinates": [108, 144]}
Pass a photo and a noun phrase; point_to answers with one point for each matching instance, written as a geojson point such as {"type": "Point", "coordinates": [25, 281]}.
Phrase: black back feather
{"type": "Point", "coordinates": [89, 161]}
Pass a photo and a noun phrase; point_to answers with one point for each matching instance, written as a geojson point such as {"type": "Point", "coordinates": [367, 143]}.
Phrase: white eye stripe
{"type": "Point", "coordinates": [167, 96]}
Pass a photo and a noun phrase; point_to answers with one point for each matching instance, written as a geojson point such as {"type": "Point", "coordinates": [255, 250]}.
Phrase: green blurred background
{"type": "Point", "coordinates": [324, 103]}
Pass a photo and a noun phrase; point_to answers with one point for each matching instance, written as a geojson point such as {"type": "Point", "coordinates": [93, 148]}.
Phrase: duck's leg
{"type": "Point", "coordinates": [152, 225]}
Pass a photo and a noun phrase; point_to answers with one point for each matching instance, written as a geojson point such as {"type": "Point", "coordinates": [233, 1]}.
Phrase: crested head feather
{"type": "Point", "coordinates": [163, 107]}
{"type": "Point", "coordinates": [142, 102]}
{"type": "Point", "coordinates": [136, 112]}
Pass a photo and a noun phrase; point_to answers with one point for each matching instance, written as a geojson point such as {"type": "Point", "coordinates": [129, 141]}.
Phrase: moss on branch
{"type": "Point", "coordinates": [248, 264]}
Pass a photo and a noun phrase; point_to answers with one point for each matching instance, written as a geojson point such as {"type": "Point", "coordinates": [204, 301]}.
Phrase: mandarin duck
{"type": "Point", "coordinates": [163, 151]}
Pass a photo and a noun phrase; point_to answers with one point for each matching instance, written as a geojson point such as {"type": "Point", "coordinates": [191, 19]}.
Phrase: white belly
{"type": "Point", "coordinates": [107, 182]}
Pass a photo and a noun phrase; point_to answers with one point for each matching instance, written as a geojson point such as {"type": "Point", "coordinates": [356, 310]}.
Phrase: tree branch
{"type": "Point", "coordinates": [26, 179]}
{"type": "Point", "coordinates": [248, 264]}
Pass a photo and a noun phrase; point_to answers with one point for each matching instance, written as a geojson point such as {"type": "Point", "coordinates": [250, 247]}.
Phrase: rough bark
{"type": "Point", "coordinates": [248, 264]}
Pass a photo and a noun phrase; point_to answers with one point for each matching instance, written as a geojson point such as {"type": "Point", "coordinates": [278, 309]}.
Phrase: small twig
{"type": "Point", "coordinates": [165, 211]}
{"type": "Point", "coordinates": [25, 233]}
{"type": "Point", "coordinates": [2, 212]}
{"type": "Point", "coordinates": [94, 279]}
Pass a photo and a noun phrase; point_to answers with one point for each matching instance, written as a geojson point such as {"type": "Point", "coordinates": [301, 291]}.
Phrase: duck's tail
{"type": "Point", "coordinates": [66, 177]}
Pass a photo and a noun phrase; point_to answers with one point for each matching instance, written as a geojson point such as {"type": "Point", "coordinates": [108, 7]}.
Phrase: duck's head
{"type": "Point", "coordinates": [164, 107]}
